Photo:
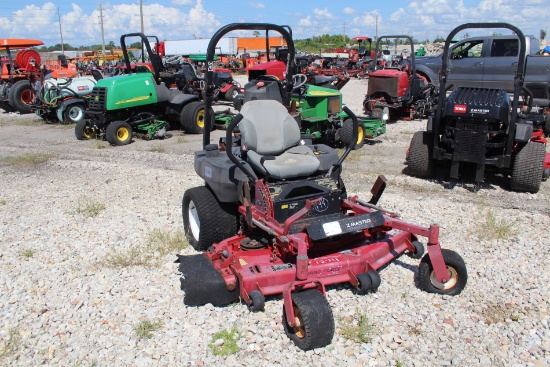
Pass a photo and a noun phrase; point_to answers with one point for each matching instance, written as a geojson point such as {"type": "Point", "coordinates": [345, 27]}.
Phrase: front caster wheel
{"type": "Point", "coordinates": [257, 301]}
{"type": "Point", "coordinates": [458, 274]}
{"type": "Point", "coordinates": [418, 250]}
{"type": "Point", "coordinates": [314, 320]}
{"type": "Point", "coordinates": [369, 281]}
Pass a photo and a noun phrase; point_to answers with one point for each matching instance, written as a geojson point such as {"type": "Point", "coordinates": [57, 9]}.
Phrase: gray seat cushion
{"type": "Point", "coordinates": [298, 161]}
{"type": "Point", "coordinates": [269, 130]}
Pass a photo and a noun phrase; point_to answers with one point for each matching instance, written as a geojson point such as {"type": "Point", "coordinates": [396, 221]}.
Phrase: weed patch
{"type": "Point", "coordinates": [146, 328]}
{"type": "Point", "coordinates": [224, 342]}
{"type": "Point", "coordinates": [357, 327]}
{"type": "Point", "coordinates": [10, 344]}
{"type": "Point", "coordinates": [88, 207]}
{"type": "Point", "coordinates": [157, 148]}
{"type": "Point", "coordinates": [27, 253]}
{"type": "Point", "coordinates": [497, 228]}
{"type": "Point", "coordinates": [26, 160]}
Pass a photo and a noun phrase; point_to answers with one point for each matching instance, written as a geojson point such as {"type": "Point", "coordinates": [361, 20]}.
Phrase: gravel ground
{"type": "Point", "coordinates": [67, 297]}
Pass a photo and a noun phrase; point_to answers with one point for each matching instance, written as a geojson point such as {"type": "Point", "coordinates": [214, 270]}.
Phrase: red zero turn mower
{"type": "Point", "coordinates": [274, 218]}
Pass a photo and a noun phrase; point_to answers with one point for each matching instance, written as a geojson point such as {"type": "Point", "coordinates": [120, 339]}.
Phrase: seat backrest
{"type": "Point", "coordinates": [267, 128]}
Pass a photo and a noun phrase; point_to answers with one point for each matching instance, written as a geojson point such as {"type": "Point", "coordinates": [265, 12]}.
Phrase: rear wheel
{"type": "Point", "coordinates": [458, 274]}
{"type": "Point", "coordinates": [528, 167]}
{"type": "Point", "coordinates": [20, 96]}
{"type": "Point", "coordinates": [207, 221]}
{"type": "Point", "coordinates": [83, 130]}
{"type": "Point", "coordinates": [231, 93]}
{"type": "Point", "coordinates": [118, 133]}
{"type": "Point", "coordinates": [314, 320]}
{"type": "Point", "coordinates": [192, 118]}
{"type": "Point", "coordinates": [346, 134]}
{"type": "Point", "coordinates": [420, 159]}
{"type": "Point", "coordinates": [74, 113]}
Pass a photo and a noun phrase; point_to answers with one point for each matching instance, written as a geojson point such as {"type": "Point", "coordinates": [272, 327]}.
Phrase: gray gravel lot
{"type": "Point", "coordinates": [63, 302]}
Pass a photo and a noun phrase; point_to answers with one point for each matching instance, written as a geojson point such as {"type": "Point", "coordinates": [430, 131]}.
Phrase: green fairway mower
{"type": "Point", "coordinates": [141, 101]}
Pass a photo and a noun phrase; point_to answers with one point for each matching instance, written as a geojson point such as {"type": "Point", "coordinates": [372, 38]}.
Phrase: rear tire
{"type": "Point", "coordinates": [346, 134]}
{"type": "Point", "coordinates": [231, 93]}
{"type": "Point", "coordinates": [315, 322]}
{"type": "Point", "coordinates": [20, 96]}
{"type": "Point", "coordinates": [206, 220]}
{"type": "Point", "coordinates": [528, 168]}
{"type": "Point", "coordinates": [192, 118]}
{"type": "Point", "coordinates": [420, 161]}
{"type": "Point", "coordinates": [83, 131]}
{"type": "Point", "coordinates": [74, 113]}
{"type": "Point", "coordinates": [119, 133]}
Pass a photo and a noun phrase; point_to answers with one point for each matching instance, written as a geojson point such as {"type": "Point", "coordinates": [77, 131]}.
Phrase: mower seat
{"type": "Point", "coordinates": [270, 132]}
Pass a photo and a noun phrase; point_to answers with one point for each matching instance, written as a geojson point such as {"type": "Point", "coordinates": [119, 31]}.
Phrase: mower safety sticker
{"type": "Point", "coordinates": [242, 262]}
{"type": "Point", "coordinates": [332, 228]}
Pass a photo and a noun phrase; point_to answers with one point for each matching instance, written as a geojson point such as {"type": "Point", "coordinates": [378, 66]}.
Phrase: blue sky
{"type": "Point", "coordinates": [185, 19]}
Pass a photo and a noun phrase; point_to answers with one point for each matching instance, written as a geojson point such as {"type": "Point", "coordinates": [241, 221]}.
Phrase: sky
{"type": "Point", "coordinates": [188, 19]}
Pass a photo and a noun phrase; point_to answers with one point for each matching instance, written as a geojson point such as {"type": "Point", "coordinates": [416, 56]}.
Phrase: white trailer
{"type": "Point", "coordinates": [225, 46]}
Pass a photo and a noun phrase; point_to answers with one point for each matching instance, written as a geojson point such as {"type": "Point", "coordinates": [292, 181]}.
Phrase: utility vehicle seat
{"type": "Point", "coordinates": [270, 132]}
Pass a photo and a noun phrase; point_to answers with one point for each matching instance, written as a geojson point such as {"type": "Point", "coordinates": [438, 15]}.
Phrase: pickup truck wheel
{"type": "Point", "coordinates": [419, 159]}
{"type": "Point", "coordinates": [528, 168]}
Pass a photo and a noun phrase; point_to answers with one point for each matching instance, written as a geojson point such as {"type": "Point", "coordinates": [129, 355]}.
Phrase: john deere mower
{"type": "Point", "coordinates": [406, 94]}
{"type": "Point", "coordinates": [483, 127]}
{"type": "Point", "coordinates": [274, 217]}
{"type": "Point", "coordinates": [140, 102]}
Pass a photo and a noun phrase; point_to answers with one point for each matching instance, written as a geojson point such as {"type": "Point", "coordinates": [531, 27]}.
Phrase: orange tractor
{"type": "Point", "coordinates": [18, 75]}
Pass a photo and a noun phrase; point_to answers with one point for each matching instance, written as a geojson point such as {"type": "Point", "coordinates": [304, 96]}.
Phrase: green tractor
{"type": "Point", "coordinates": [323, 119]}
{"type": "Point", "coordinates": [139, 102]}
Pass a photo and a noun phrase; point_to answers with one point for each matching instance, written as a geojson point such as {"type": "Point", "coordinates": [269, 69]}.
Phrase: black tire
{"type": "Point", "coordinates": [369, 281]}
{"type": "Point", "coordinates": [118, 133]}
{"type": "Point", "coordinates": [546, 127]}
{"type": "Point", "coordinates": [257, 301]}
{"type": "Point", "coordinates": [231, 93]}
{"type": "Point", "coordinates": [316, 322]}
{"type": "Point", "coordinates": [418, 250]}
{"type": "Point", "coordinates": [457, 270]}
{"type": "Point", "coordinates": [5, 105]}
{"type": "Point", "coordinates": [346, 134]}
{"type": "Point", "coordinates": [420, 161]}
{"type": "Point", "coordinates": [74, 113]}
{"type": "Point", "coordinates": [21, 96]}
{"type": "Point", "coordinates": [207, 221]}
{"type": "Point", "coordinates": [192, 118]}
{"type": "Point", "coordinates": [83, 131]}
{"type": "Point", "coordinates": [528, 168]}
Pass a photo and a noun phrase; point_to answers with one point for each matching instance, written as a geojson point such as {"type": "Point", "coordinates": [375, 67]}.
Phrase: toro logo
{"type": "Point", "coordinates": [460, 108]}
{"type": "Point", "coordinates": [83, 87]}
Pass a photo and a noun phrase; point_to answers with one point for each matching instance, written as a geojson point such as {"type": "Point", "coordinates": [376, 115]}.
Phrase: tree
{"type": "Point", "coordinates": [542, 34]}
{"type": "Point", "coordinates": [439, 39]}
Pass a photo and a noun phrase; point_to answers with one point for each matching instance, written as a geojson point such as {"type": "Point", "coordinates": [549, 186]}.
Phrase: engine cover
{"type": "Point", "coordinates": [478, 103]}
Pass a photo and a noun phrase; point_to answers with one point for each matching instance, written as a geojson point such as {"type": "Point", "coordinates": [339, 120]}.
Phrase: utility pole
{"type": "Point", "coordinates": [102, 31]}
{"type": "Point", "coordinates": [60, 32]}
{"type": "Point", "coordinates": [377, 28]}
{"type": "Point", "coordinates": [344, 31]}
{"type": "Point", "coordinates": [141, 15]}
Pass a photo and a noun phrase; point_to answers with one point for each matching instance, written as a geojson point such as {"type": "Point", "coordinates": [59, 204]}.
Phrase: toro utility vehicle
{"type": "Point", "coordinates": [484, 127]}
{"type": "Point", "coordinates": [139, 101]}
{"type": "Point", "coordinates": [406, 94]}
{"type": "Point", "coordinates": [64, 99]}
{"type": "Point", "coordinates": [274, 218]}
{"type": "Point", "coordinates": [18, 76]}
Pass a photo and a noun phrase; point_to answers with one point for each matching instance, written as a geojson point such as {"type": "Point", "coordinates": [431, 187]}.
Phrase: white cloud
{"type": "Point", "coordinates": [256, 5]}
{"type": "Point", "coordinates": [182, 2]}
{"type": "Point", "coordinates": [349, 11]}
{"type": "Point", "coordinates": [304, 22]}
{"type": "Point", "coordinates": [322, 13]}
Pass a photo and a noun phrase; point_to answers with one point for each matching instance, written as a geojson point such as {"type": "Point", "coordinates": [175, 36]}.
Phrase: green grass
{"type": "Point", "coordinates": [229, 344]}
{"type": "Point", "coordinates": [497, 228]}
{"type": "Point", "coordinates": [157, 148]}
{"type": "Point", "coordinates": [10, 344]}
{"type": "Point", "coordinates": [357, 328]}
{"type": "Point", "coordinates": [26, 160]}
{"type": "Point", "coordinates": [149, 253]}
{"type": "Point", "coordinates": [27, 253]}
{"type": "Point", "coordinates": [3, 202]}
{"type": "Point", "coordinates": [88, 207]}
{"type": "Point", "coordinates": [145, 329]}
{"type": "Point", "coordinates": [29, 122]}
